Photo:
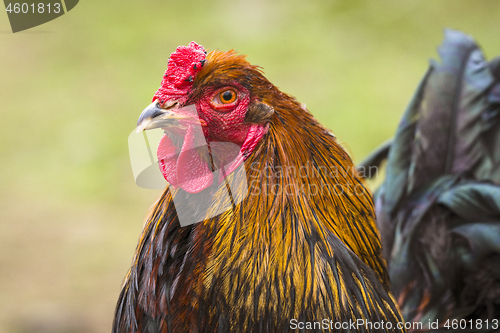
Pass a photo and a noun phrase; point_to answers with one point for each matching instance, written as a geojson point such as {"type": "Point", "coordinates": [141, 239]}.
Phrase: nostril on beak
{"type": "Point", "coordinates": [153, 110]}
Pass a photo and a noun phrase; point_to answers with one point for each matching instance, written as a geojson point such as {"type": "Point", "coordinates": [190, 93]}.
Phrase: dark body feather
{"type": "Point", "coordinates": [283, 253]}
{"type": "Point", "coordinates": [439, 207]}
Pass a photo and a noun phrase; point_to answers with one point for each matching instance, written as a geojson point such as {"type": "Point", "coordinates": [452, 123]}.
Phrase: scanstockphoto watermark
{"type": "Point", "coordinates": [453, 325]}
{"type": "Point", "coordinates": [310, 170]}
{"type": "Point", "coordinates": [308, 190]}
{"type": "Point", "coordinates": [351, 325]}
{"type": "Point", "coordinates": [308, 180]}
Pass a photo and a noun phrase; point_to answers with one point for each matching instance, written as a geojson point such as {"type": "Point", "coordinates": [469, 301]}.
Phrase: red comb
{"type": "Point", "coordinates": [183, 65]}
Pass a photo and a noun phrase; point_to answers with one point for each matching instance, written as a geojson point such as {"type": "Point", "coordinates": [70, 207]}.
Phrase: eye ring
{"type": "Point", "coordinates": [226, 96]}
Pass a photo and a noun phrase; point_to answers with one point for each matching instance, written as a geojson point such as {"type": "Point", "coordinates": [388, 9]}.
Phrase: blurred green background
{"type": "Point", "coordinates": [71, 91]}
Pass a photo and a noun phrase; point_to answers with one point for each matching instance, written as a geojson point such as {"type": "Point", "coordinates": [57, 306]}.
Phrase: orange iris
{"type": "Point", "coordinates": [227, 96]}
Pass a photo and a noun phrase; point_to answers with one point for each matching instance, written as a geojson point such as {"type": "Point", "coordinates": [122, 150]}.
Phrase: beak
{"type": "Point", "coordinates": [155, 117]}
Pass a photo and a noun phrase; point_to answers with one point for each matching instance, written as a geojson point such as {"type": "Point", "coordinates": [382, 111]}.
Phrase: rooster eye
{"type": "Point", "coordinates": [227, 96]}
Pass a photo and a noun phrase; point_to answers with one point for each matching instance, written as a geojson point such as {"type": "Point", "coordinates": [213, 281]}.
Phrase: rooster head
{"type": "Point", "coordinates": [214, 112]}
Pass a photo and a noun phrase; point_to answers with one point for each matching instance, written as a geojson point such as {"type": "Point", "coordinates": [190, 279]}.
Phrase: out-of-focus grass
{"type": "Point", "coordinates": [72, 89]}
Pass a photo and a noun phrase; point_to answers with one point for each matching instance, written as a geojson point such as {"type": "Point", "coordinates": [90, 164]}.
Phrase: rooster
{"type": "Point", "coordinates": [438, 208]}
{"type": "Point", "coordinates": [296, 248]}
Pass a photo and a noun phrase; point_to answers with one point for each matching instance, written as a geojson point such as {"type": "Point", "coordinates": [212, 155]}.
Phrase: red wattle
{"type": "Point", "coordinates": [193, 173]}
{"type": "Point", "coordinates": [185, 168]}
{"type": "Point", "coordinates": [167, 157]}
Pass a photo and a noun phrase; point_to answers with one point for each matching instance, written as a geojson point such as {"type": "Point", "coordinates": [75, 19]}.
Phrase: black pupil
{"type": "Point", "coordinates": [227, 96]}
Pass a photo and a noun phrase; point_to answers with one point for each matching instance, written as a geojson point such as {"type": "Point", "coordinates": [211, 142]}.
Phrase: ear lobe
{"type": "Point", "coordinates": [259, 113]}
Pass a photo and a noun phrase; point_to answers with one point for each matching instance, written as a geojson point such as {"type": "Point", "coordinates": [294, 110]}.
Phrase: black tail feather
{"type": "Point", "coordinates": [439, 206]}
